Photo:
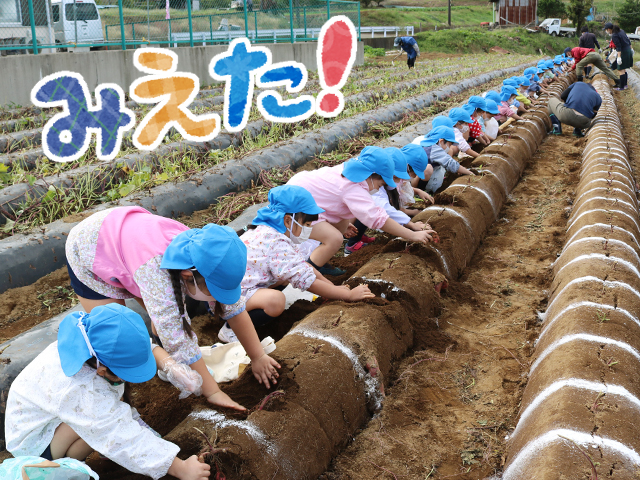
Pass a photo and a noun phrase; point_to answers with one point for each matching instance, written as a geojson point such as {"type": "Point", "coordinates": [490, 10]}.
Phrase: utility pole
{"type": "Point", "coordinates": [449, 13]}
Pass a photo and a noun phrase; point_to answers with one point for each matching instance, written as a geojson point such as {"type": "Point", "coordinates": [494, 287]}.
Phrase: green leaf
{"type": "Point", "coordinates": [31, 179]}
{"type": "Point", "coordinates": [126, 189]}
{"type": "Point", "coordinates": [163, 177]}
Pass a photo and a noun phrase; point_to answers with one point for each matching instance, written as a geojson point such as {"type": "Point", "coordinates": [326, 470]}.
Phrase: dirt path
{"type": "Point", "coordinates": [456, 398]}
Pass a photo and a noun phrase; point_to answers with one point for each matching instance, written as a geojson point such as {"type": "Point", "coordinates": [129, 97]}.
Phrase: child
{"type": "Point", "coordinates": [126, 252]}
{"type": "Point", "coordinates": [491, 125]}
{"type": "Point", "coordinates": [522, 96]}
{"type": "Point", "coordinates": [461, 121]}
{"type": "Point", "coordinates": [436, 145]}
{"type": "Point", "coordinates": [419, 169]}
{"type": "Point", "coordinates": [476, 109]}
{"type": "Point", "coordinates": [344, 193]}
{"type": "Point", "coordinates": [507, 103]}
{"type": "Point", "coordinates": [274, 261]}
{"type": "Point", "coordinates": [68, 401]}
{"type": "Point", "coordinates": [389, 199]}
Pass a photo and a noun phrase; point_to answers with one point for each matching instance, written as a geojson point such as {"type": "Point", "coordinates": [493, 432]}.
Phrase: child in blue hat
{"type": "Point", "coordinates": [67, 401]}
{"type": "Point", "coordinates": [344, 193]}
{"type": "Point", "coordinates": [419, 168]}
{"type": "Point", "coordinates": [461, 125]}
{"type": "Point", "coordinates": [127, 252]}
{"type": "Point", "coordinates": [436, 145]}
{"type": "Point", "coordinates": [492, 128]}
{"type": "Point", "coordinates": [274, 261]}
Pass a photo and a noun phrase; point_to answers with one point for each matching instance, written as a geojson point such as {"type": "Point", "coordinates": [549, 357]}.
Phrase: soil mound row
{"type": "Point", "coordinates": [337, 360]}
{"type": "Point", "coordinates": [582, 401]}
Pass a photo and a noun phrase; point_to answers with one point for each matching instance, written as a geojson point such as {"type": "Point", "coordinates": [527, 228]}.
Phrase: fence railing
{"type": "Point", "coordinates": [82, 25]}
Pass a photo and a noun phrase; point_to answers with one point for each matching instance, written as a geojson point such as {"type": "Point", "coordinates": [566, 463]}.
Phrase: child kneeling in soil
{"type": "Point", "coordinates": [274, 261]}
{"type": "Point", "coordinates": [436, 145]}
{"type": "Point", "coordinates": [461, 122]}
{"type": "Point", "coordinates": [389, 199]}
{"type": "Point", "coordinates": [68, 401]}
{"type": "Point", "coordinates": [344, 193]}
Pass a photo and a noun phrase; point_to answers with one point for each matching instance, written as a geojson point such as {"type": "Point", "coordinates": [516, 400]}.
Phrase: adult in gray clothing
{"type": "Point", "coordinates": [577, 106]}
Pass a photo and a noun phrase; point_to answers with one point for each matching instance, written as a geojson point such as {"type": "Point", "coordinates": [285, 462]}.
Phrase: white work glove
{"type": "Point", "coordinates": [183, 377]}
{"type": "Point", "coordinates": [600, 50]}
{"type": "Point", "coordinates": [619, 60]}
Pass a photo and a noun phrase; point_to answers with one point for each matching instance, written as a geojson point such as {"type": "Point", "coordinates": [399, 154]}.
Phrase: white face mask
{"type": "Point", "coordinates": [447, 150]}
{"type": "Point", "coordinates": [373, 191]}
{"type": "Point", "coordinates": [304, 234]}
{"type": "Point", "coordinates": [199, 295]}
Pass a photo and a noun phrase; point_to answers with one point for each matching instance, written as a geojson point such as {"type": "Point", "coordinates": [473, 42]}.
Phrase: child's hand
{"type": "Point", "coordinates": [422, 236]}
{"type": "Point", "coordinates": [183, 377]}
{"type": "Point", "coordinates": [264, 369]}
{"type": "Point", "coordinates": [189, 469]}
{"type": "Point", "coordinates": [360, 293]}
{"type": "Point", "coordinates": [221, 399]}
{"type": "Point", "coordinates": [425, 196]}
{"type": "Point", "coordinates": [416, 226]}
{"type": "Point", "coordinates": [351, 231]}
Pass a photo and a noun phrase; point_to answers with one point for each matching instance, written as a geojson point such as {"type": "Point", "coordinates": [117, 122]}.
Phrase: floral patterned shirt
{"type": "Point", "coordinates": [42, 397]}
{"type": "Point", "coordinates": [271, 258]}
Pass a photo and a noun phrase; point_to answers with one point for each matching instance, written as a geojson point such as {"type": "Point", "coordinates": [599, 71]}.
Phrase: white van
{"type": "Point", "coordinates": [76, 22]}
{"type": "Point", "coordinates": [54, 24]}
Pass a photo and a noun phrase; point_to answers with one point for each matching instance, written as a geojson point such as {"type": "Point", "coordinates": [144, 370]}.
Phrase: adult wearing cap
{"type": "Point", "coordinates": [67, 401]}
{"type": "Point", "coordinates": [587, 56]}
{"type": "Point", "coordinates": [624, 51]}
{"type": "Point", "coordinates": [344, 193]}
{"type": "Point", "coordinates": [577, 106]}
{"type": "Point", "coordinates": [461, 124]}
{"type": "Point", "coordinates": [274, 261]}
{"type": "Point", "coordinates": [436, 145]}
{"type": "Point", "coordinates": [127, 252]}
{"type": "Point", "coordinates": [409, 45]}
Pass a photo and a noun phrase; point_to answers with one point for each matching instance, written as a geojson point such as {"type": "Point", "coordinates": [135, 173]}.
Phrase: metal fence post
{"type": "Point", "coordinates": [255, 34]}
{"type": "Point", "coordinates": [75, 19]}
{"type": "Point", "coordinates": [211, 28]}
{"type": "Point", "coordinates": [359, 35]}
{"type": "Point", "coordinates": [328, 10]}
{"type": "Point", "coordinates": [246, 20]}
{"type": "Point", "coordinates": [34, 39]}
{"type": "Point", "coordinates": [291, 18]}
{"type": "Point", "coordinates": [123, 40]}
{"type": "Point", "coordinates": [304, 12]}
{"type": "Point", "coordinates": [190, 23]}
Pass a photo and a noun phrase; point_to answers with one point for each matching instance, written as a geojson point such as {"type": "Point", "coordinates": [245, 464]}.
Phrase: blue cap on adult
{"type": "Point", "coordinates": [440, 121]}
{"type": "Point", "coordinates": [371, 160]}
{"type": "Point", "coordinates": [491, 107]}
{"type": "Point", "coordinates": [416, 158]}
{"type": "Point", "coordinates": [477, 102]}
{"type": "Point", "coordinates": [492, 95]}
{"type": "Point", "coordinates": [217, 253]}
{"type": "Point", "coordinates": [115, 335]}
{"type": "Point", "coordinates": [282, 200]}
{"type": "Point", "coordinates": [399, 163]}
{"type": "Point", "coordinates": [460, 115]}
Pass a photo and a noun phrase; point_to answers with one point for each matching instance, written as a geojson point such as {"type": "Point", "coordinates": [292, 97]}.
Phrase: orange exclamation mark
{"type": "Point", "coordinates": [336, 53]}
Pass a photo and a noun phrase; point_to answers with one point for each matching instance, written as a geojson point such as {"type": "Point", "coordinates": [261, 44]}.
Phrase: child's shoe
{"type": "Point", "coordinates": [348, 250]}
{"type": "Point", "coordinates": [367, 240]}
{"type": "Point", "coordinates": [327, 269]}
{"type": "Point", "coordinates": [226, 334]}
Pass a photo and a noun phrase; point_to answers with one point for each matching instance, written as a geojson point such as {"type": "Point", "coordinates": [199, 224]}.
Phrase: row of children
{"type": "Point", "coordinates": [72, 399]}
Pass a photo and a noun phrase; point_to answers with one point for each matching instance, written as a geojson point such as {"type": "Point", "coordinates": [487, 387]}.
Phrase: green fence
{"type": "Point", "coordinates": [81, 25]}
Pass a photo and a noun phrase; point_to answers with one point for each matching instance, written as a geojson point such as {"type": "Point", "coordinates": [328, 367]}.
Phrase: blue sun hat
{"type": "Point", "coordinates": [477, 102]}
{"type": "Point", "coordinates": [371, 160]}
{"type": "Point", "coordinates": [491, 107]}
{"type": "Point", "coordinates": [440, 121]}
{"type": "Point", "coordinates": [506, 93]}
{"type": "Point", "coordinates": [438, 133]}
{"type": "Point", "coordinates": [399, 162]}
{"type": "Point", "coordinates": [525, 82]}
{"type": "Point", "coordinates": [557, 60]}
{"type": "Point", "coordinates": [217, 253]}
{"type": "Point", "coordinates": [492, 95]}
{"type": "Point", "coordinates": [282, 200]}
{"type": "Point", "coordinates": [511, 82]}
{"type": "Point", "coordinates": [530, 71]}
{"type": "Point", "coordinates": [460, 115]}
{"type": "Point", "coordinates": [114, 334]}
{"type": "Point", "coordinates": [549, 64]}
{"type": "Point", "coordinates": [417, 158]}
{"type": "Point", "coordinates": [470, 109]}
{"type": "Point", "coordinates": [536, 78]}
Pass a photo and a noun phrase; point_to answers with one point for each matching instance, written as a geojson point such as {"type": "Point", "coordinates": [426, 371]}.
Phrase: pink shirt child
{"type": "Point", "coordinates": [117, 253]}
{"type": "Point", "coordinates": [340, 198]}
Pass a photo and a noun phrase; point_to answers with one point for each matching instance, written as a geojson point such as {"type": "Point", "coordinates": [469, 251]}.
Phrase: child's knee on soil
{"type": "Point", "coordinates": [271, 301]}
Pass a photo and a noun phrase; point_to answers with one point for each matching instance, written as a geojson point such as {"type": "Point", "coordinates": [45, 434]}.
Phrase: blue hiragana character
{"type": "Point", "coordinates": [66, 136]}
{"type": "Point", "coordinates": [235, 67]}
{"type": "Point", "coordinates": [293, 76]}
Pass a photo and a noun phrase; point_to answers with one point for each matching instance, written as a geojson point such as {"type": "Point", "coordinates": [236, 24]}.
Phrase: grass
{"type": "Point", "coordinates": [427, 18]}
{"type": "Point", "coordinates": [478, 40]}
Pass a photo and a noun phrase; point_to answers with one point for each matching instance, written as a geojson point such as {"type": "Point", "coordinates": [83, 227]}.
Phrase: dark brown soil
{"type": "Point", "coordinates": [25, 307]}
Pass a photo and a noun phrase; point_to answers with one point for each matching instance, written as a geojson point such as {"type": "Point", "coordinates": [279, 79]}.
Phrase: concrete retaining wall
{"type": "Point", "coordinates": [21, 72]}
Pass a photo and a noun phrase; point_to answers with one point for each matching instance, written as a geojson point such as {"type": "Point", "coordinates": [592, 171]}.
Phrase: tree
{"type": "Point", "coordinates": [629, 15]}
{"type": "Point", "coordinates": [552, 9]}
{"type": "Point", "coordinates": [577, 11]}
{"type": "Point", "coordinates": [366, 3]}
